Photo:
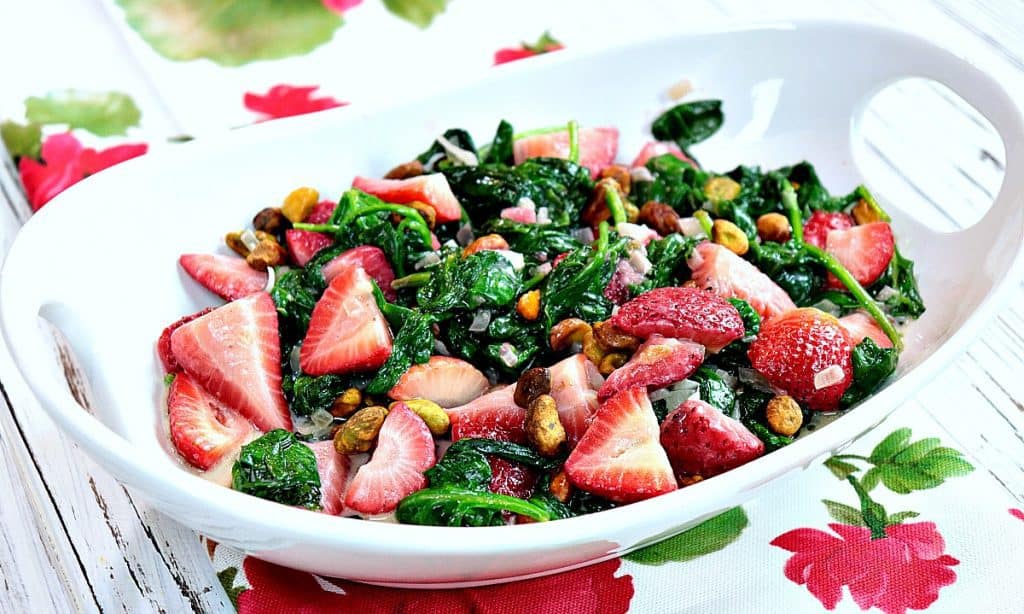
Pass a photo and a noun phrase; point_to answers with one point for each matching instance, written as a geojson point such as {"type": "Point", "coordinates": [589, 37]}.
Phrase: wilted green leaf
{"type": "Point", "coordinates": [846, 514]}
{"type": "Point", "coordinates": [709, 536]}
{"type": "Point", "coordinates": [419, 12]}
{"type": "Point", "coordinates": [101, 113]}
{"type": "Point", "coordinates": [21, 140]}
{"type": "Point", "coordinates": [231, 32]}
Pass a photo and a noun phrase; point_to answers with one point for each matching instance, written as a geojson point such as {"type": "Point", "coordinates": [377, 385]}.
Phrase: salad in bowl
{"type": "Point", "coordinates": [530, 330]}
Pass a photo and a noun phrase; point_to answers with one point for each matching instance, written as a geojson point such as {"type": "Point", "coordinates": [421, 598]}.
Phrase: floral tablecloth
{"type": "Point", "coordinates": [898, 522]}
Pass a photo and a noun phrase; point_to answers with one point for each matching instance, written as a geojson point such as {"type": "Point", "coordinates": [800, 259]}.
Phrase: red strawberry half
{"type": "Point", "coordinates": [682, 313]}
{"type": "Point", "coordinates": [347, 331]}
{"type": "Point", "coordinates": [429, 189]}
{"type": "Point", "coordinates": [234, 352]}
{"type": "Point", "coordinates": [449, 382]}
{"type": "Point", "coordinates": [619, 457]}
{"type": "Point", "coordinates": [574, 384]}
{"type": "Point", "coordinates": [805, 352]}
{"type": "Point", "coordinates": [303, 244]}
{"type": "Point", "coordinates": [203, 430]}
{"type": "Point", "coordinates": [717, 269]}
{"type": "Point", "coordinates": [821, 223]}
{"type": "Point", "coordinates": [334, 474]}
{"type": "Point", "coordinates": [372, 259]}
{"type": "Point", "coordinates": [653, 149]}
{"type": "Point", "coordinates": [597, 147]}
{"type": "Point", "coordinates": [660, 361]}
{"type": "Point", "coordinates": [511, 478]}
{"type": "Point", "coordinates": [405, 449]}
{"type": "Point", "coordinates": [495, 415]}
{"type": "Point", "coordinates": [860, 326]}
{"type": "Point", "coordinates": [702, 441]}
{"type": "Point", "coordinates": [163, 344]}
{"type": "Point", "coordinates": [229, 277]}
{"type": "Point", "coordinates": [864, 250]}
{"type": "Point", "coordinates": [322, 212]}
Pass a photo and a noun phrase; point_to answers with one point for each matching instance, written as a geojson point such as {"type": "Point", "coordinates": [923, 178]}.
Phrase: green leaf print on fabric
{"type": "Point", "coordinates": [419, 12]}
{"type": "Point", "coordinates": [101, 113]}
{"type": "Point", "coordinates": [707, 537]}
{"type": "Point", "coordinates": [231, 32]}
{"type": "Point", "coordinates": [227, 580]}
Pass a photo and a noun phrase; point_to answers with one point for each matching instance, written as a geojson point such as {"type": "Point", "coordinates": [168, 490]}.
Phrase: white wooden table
{"type": "Point", "coordinates": [74, 539]}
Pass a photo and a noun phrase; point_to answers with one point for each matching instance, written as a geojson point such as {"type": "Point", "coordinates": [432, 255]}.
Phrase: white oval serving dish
{"type": "Point", "coordinates": [100, 264]}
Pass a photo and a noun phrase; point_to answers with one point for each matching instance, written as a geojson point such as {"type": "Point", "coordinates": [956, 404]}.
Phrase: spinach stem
{"type": "Point", "coordinates": [538, 131]}
{"type": "Point", "coordinates": [615, 205]}
{"type": "Point", "coordinates": [412, 216]}
{"type": "Point", "coordinates": [414, 280]}
{"type": "Point", "coordinates": [574, 141]}
{"type": "Point", "coordinates": [705, 221]}
{"type": "Point", "coordinates": [870, 200]}
{"type": "Point", "coordinates": [866, 301]}
{"type": "Point", "coordinates": [789, 203]}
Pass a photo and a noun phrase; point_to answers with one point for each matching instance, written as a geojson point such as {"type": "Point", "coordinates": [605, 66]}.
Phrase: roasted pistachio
{"type": "Point", "coordinates": [413, 168]}
{"type": "Point", "coordinates": [267, 254]}
{"type": "Point", "coordinates": [528, 305]}
{"type": "Point", "coordinates": [729, 236]}
{"type": "Point", "coordinates": [532, 383]}
{"type": "Point", "coordinates": [299, 204]}
{"type": "Point", "coordinates": [620, 174]}
{"type": "Point", "coordinates": [432, 414]}
{"type": "Point", "coordinates": [864, 213]}
{"type": "Point", "coordinates": [360, 431]}
{"type": "Point", "coordinates": [346, 404]}
{"type": "Point", "coordinates": [773, 227]}
{"type": "Point", "coordinates": [611, 338]}
{"type": "Point", "coordinates": [719, 189]}
{"type": "Point", "coordinates": [784, 416]}
{"type": "Point", "coordinates": [568, 332]}
{"type": "Point", "coordinates": [560, 487]}
{"type": "Point", "coordinates": [659, 216]}
{"type": "Point", "coordinates": [611, 362]}
{"type": "Point", "coordinates": [271, 220]}
{"type": "Point", "coordinates": [543, 428]}
{"type": "Point", "coordinates": [491, 241]}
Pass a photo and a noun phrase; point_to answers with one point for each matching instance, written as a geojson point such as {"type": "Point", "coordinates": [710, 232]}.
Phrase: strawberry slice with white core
{"type": "Point", "coordinates": [334, 474]}
{"type": "Point", "coordinates": [864, 250]}
{"type": "Point", "coordinates": [574, 384]}
{"type": "Point", "coordinates": [431, 189]}
{"type": "Point", "coordinates": [719, 270]}
{"type": "Point", "coordinates": [619, 457]}
{"type": "Point", "coordinates": [660, 361]}
{"type": "Point", "coordinates": [304, 244]}
{"type": "Point", "coordinates": [405, 449]}
{"type": "Point", "coordinates": [163, 344]}
{"type": "Point", "coordinates": [653, 149]}
{"type": "Point", "coordinates": [447, 381]}
{"type": "Point", "coordinates": [234, 352]}
{"type": "Point", "coordinates": [861, 326]}
{"type": "Point", "coordinates": [494, 415]}
{"type": "Point", "coordinates": [372, 260]}
{"type": "Point", "coordinates": [597, 147]}
{"type": "Point", "coordinates": [229, 277]}
{"type": "Point", "coordinates": [203, 429]}
{"type": "Point", "coordinates": [347, 331]}
{"type": "Point", "coordinates": [681, 313]}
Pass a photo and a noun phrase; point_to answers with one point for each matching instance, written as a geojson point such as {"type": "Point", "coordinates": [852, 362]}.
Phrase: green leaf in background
{"type": "Point", "coordinates": [21, 140]}
{"type": "Point", "coordinates": [101, 113]}
{"type": "Point", "coordinates": [231, 32]}
{"type": "Point", "coordinates": [707, 537]}
{"type": "Point", "coordinates": [904, 466]}
{"type": "Point", "coordinates": [845, 514]}
{"type": "Point", "coordinates": [419, 12]}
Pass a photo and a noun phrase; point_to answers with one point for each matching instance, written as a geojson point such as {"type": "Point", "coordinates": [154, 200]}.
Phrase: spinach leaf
{"type": "Point", "coordinates": [714, 390]}
{"type": "Point", "coordinates": [668, 262]}
{"type": "Point", "coordinates": [751, 319]}
{"type": "Point", "coordinates": [534, 239]}
{"type": "Point", "coordinates": [464, 463]}
{"type": "Point", "coordinates": [413, 344]}
{"type": "Point", "coordinates": [436, 156]}
{"type": "Point", "coordinates": [310, 394]}
{"type": "Point", "coordinates": [872, 365]}
{"type": "Point", "coordinates": [278, 467]}
{"type": "Point", "coordinates": [752, 404]}
{"type": "Point", "coordinates": [575, 288]}
{"type": "Point", "coordinates": [454, 506]}
{"type": "Point", "coordinates": [906, 301]}
{"type": "Point", "coordinates": [675, 183]}
{"type": "Point", "coordinates": [483, 279]}
{"type": "Point", "coordinates": [772, 441]}
{"type": "Point", "coordinates": [501, 151]}
{"type": "Point", "coordinates": [689, 123]}
{"type": "Point", "coordinates": [295, 296]}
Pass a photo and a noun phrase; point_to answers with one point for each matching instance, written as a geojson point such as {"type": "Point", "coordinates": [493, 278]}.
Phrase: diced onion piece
{"type": "Point", "coordinates": [508, 355]}
{"type": "Point", "coordinates": [542, 269]}
{"type": "Point", "coordinates": [526, 203]}
{"type": "Point", "coordinates": [464, 235]}
{"type": "Point", "coordinates": [428, 259]}
{"type": "Point", "coordinates": [517, 260]}
{"type": "Point", "coordinates": [679, 89]}
{"type": "Point", "coordinates": [441, 348]}
{"type": "Point", "coordinates": [543, 217]}
{"type": "Point", "coordinates": [480, 321]}
{"type": "Point", "coordinates": [458, 154]}
{"type": "Point", "coordinates": [886, 293]}
{"type": "Point", "coordinates": [690, 226]}
{"type": "Point", "coordinates": [271, 279]}
{"type": "Point", "coordinates": [638, 260]}
{"type": "Point", "coordinates": [583, 235]}
{"type": "Point", "coordinates": [248, 238]}
{"type": "Point", "coordinates": [293, 358]}
{"type": "Point", "coordinates": [637, 232]}
{"type": "Point", "coordinates": [640, 173]}
{"type": "Point", "coordinates": [828, 377]}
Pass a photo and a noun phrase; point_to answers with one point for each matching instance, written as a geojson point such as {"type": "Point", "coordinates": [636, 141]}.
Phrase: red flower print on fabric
{"type": "Point", "coordinates": [545, 44]}
{"type": "Point", "coordinates": [340, 6]}
{"type": "Point", "coordinates": [65, 162]}
{"type": "Point", "coordinates": [904, 570]}
{"type": "Point", "coordinates": [589, 590]}
{"type": "Point", "coordinates": [287, 101]}
{"type": "Point", "coordinates": [1017, 513]}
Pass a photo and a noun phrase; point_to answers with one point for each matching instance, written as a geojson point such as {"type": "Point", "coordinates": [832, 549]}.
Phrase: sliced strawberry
{"type": "Point", "coordinates": [163, 344]}
{"type": "Point", "coordinates": [821, 223]}
{"type": "Point", "coordinates": [334, 474]}
{"type": "Point", "coordinates": [660, 361]}
{"type": "Point", "coordinates": [371, 259]}
{"type": "Point", "coordinates": [234, 352]}
{"type": "Point", "coordinates": [805, 352]}
{"type": "Point", "coordinates": [860, 325]}
{"type": "Point", "coordinates": [347, 332]}
{"type": "Point", "coordinates": [617, 290]}
{"type": "Point", "coordinates": [449, 382]}
{"type": "Point", "coordinates": [229, 277]}
{"type": "Point", "coordinates": [574, 384]}
{"type": "Point", "coordinates": [682, 313]}
{"type": "Point", "coordinates": [322, 212]}
{"type": "Point", "coordinates": [864, 250]}
{"type": "Point", "coordinates": [303, 244]}
{"type": "Point", "coordinates": [405, 449]}
{"type": "Point", "coordinates": [429, 189]}
{"type": "Point", "coordinates": [524, 215]}
{"type": "Point", "coordinates": [702, 441]}
{"type": "Point", "coordinates": [495, 415]}
{"type": "Point", "coordinates": [597, 147]}
{"type": "Point", "coordinates": [717, 269]}
{"type": "Point", "coordinates": [619, 457]}
{"type": "Point", "coordinates": [511, 478]}
{"type": "Point", "coordinates": [653, 149]}
{"type": "Point", "coordinates": [203, 430]}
